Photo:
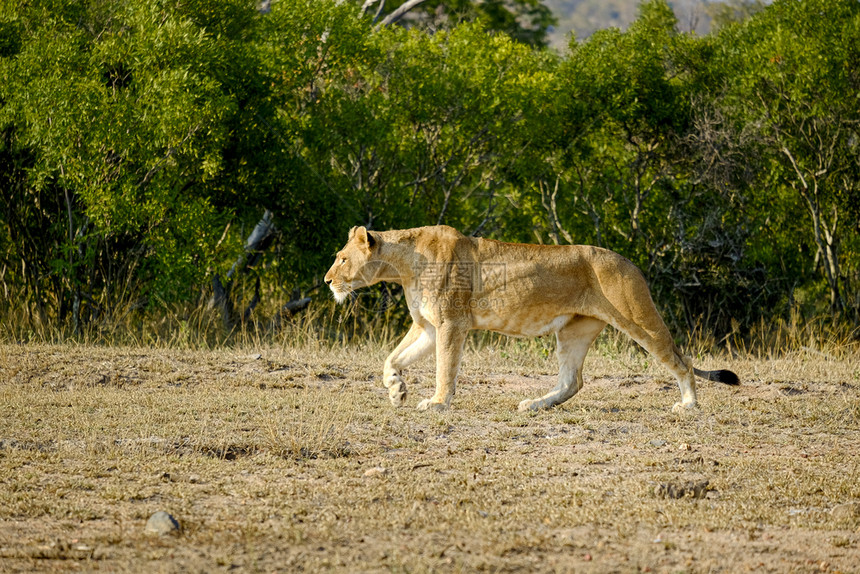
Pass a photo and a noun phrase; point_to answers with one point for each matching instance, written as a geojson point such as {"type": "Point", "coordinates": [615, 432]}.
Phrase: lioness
{"type": "Point", "coordinates": [455, 283]}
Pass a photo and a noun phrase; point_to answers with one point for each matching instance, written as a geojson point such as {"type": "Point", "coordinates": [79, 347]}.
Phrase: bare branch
{"type": "Point", "coordinates": [400, 12]}
{"type": "Point", "coordinates": [797, 170]}
{"type": "Point", "coordinates": [550, 204]}
{"type": "Point", "coordinates": [379, 11]}
{"type": "Point", "coordinates": [367, 4]}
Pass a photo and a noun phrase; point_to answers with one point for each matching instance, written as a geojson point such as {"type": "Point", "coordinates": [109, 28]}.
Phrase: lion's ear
{"type": "Point", "coordinates": [359, 233]}
{"type": "Point", "coordinates": [363, 237]}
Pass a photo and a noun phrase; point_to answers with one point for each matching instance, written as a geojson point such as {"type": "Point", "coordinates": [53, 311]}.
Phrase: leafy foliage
{"type": "Point", "coordinates": [140, 141]}
{"type": "Point", "coordinates": [527, 21]}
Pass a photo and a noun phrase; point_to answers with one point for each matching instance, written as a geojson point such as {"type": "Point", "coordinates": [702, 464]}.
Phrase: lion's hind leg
{"type": "Point", "coordinates": [637, 316]}
{"type": "Point", "coordinates": [658, 342]}
{"type": "Point", "coordinates": [574, 340]}
{"type": "Point", "coordinates": [682, 368]}
{"type": "Point", "coordinates": [417, 344]}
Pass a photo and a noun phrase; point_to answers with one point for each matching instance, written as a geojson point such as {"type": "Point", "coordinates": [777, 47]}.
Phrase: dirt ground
{"type": "Point", "coordinates": [292, 460]}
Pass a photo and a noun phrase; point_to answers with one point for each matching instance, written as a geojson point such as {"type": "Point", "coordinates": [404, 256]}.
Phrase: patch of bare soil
{"type": "Point", "coordinates": [293, 460]}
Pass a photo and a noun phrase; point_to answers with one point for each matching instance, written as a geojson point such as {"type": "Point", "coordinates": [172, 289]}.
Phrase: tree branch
{"type": "Point", "coordinates": [797, 170]}
{"type": "Point", "coordinates": [400, 12]}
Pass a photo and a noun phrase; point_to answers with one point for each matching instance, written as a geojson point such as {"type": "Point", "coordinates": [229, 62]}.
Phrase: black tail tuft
{"type": "Point", "coordinates": [722, 376]}
{"type": "Point", "coordinates": [726, 377]}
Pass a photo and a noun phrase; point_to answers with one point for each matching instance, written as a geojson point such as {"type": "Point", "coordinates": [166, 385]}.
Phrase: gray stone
{"type": "Point", "coordinates": [162, 523]}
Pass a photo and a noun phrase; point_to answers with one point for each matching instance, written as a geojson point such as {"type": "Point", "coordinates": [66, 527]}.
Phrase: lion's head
{"type": "Point", "coordinates": [356, 265]}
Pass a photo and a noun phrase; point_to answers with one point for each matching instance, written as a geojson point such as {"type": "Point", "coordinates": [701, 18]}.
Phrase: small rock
{"type": "Point", "coordinates": [162, 523]}
{"type": "Point", "coordinates": [376, 471]}
{"type": "Point", "coordinates": [847, 511]}
{"type": "Point", "coordinates": [658, 442]}
{"type": "Point", "coordinates": [685, 446]}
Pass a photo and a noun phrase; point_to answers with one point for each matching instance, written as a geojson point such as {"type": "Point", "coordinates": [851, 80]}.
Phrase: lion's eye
{"type": "Point", "coordinates": [342, 260]}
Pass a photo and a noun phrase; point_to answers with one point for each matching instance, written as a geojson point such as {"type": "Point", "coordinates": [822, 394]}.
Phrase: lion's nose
{"type": "Point", "coordinates": [327, 281]}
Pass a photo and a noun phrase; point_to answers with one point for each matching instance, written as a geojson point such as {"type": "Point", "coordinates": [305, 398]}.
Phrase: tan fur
{"type": "Point", "coordinates": [455, 283]}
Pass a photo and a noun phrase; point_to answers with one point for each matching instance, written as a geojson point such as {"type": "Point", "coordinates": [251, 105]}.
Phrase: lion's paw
{"type": "Point", "coordinates": [391, 380]}
{"type": "Point", "coordinates": [683, 408]}
{"type": "Point", "coordinates": [530, 405]}
{"type": "Point", "coordinates": [429, 405]}
{"type": "Point", "coordinates": [397, 393]}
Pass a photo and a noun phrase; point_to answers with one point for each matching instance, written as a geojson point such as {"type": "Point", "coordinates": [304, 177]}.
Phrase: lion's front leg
{"type": "Point", "coordinates": [450, 338]}
{"type": "Point", "coordinates": [417, 343]}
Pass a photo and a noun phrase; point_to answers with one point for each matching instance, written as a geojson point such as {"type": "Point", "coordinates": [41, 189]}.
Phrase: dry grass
{"type": "Point", "coordinates": [291, 459]}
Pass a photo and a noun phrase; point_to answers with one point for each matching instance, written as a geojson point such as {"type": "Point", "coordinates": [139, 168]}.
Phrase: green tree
{"type": "Point", "coordinates": [731, 11]}
{"type": "Point", "coordinates": [791, 76]}
{"type": "Point", "coordinates": [129, 142]}
{"type": "Point", "coordinates": [422, 135]}
{"type": "Point", "coordinates": [620, 172]}
{"type": "Point", "coordinates": [125, 127]}
{"type": "Point", "coordinates": [526, 21]}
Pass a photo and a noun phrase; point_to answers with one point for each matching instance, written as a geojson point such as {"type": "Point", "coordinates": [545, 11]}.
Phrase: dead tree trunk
{"type": "Point", "coordinates": [260, 239]}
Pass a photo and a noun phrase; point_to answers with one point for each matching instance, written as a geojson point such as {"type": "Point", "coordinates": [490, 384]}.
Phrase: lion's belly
{"type": "Point", "coordinates": [520, 324]}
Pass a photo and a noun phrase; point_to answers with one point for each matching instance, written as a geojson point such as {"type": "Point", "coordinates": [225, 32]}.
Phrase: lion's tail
{"type": "Point", "coordinates": [721, 376]}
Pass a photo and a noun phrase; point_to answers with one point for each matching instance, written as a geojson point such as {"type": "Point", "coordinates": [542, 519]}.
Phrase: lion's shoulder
{"type": "Point", "coordinates": [437, 231]}
{"type": "Point", "coordinates": [441, 243]}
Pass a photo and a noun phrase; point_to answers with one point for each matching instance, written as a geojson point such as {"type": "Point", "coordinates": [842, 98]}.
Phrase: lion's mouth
{"type": "Point", "coordinates": [340, 292]}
